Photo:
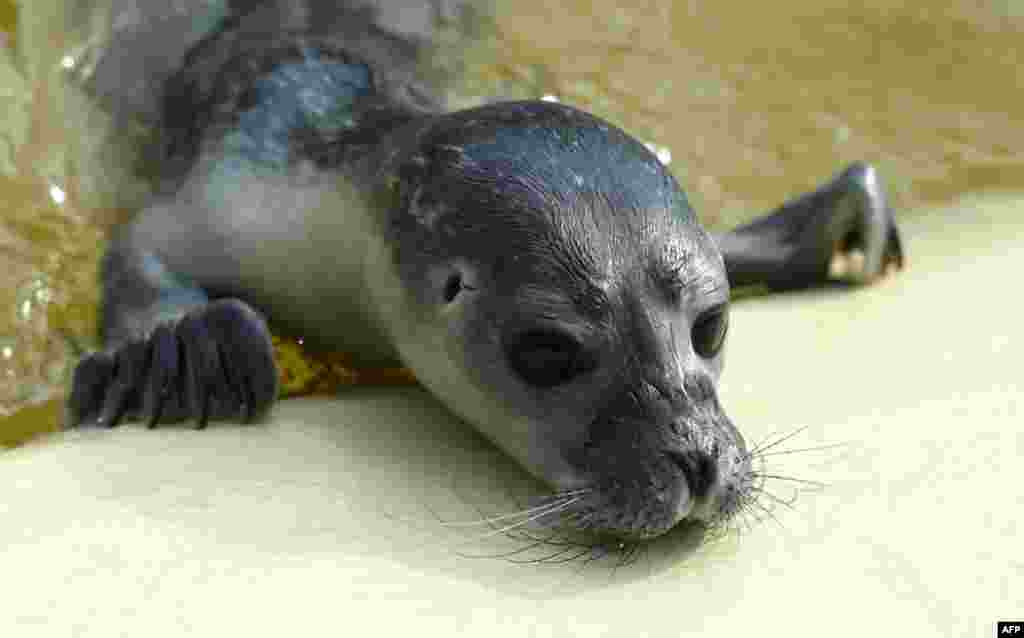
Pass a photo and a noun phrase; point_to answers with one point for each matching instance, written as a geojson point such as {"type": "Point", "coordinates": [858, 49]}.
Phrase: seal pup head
{"type": "Point", "coordinates": [544, 275]}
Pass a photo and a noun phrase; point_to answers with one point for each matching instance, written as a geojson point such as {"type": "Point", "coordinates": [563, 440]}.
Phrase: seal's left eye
{"type": "Point", "coordinates": [709, 332]}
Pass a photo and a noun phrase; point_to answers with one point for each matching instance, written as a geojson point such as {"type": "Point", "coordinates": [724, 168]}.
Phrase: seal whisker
{"type": "Point", "coordinates": [543, 559]}
{"type": "Point", "coordinates": [411, 519]}
{"type": "Point", "coordinates": [558, 507]}
{"type": "Point", "coordinates": [585, 550]}
{"type": "Point", "coordinates": [765, 446]}
{"type": "Point", "coordinates": [506, 554]}
{"type": "Point", "coordinates": [746, 507]}
{"type": "Point", "coordinates": [638, 552]}
{"type": "Point", "coordinates": [817, 448]}
{"type": "Point", "coordinates": [551, 540]}
{"type": "Point", "coordinates": [594, 555]}
{"type": "Point", "coordinates": [779, 477]}
{"type": "Point", "coordinates": [625, 558]}
{"type": "Point", "coordinates": [738, 522]}
{"type": "Point", "coordinates": [551, 501]}
{"type": "Point", "coordinates": [769, 513]}
{"type": "Point", "coordinates": [776, 499]}
{"type": "Point", "coordinates": [525, 535]}
{"type": "Point", "coordinates": [754, 515]}
{"type": "Point", "coordinates": [487, 520]}
{"type": "Point", "coordinates": [521, 534]}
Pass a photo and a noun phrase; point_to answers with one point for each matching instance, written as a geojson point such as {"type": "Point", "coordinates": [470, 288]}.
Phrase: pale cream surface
{"type": "Point", "coordinates": [308, 524]}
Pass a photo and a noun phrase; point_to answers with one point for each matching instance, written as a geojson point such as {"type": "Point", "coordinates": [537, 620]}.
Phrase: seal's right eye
{"type": "Point", "coordinates": [709, 331]}
{"type": "Point", "coordinates": [546, 358]}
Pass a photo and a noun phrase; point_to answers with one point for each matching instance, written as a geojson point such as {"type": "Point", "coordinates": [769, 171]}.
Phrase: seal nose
{"type": "Point", "coordinates": [699, 470]}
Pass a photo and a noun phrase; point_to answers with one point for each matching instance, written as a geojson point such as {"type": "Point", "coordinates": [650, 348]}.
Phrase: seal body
{"type": "Point", "coordinates": [538, 269]}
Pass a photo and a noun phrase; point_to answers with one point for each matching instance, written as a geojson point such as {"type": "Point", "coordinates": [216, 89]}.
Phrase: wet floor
{"type": "Point", "coordinates": [754, 102]}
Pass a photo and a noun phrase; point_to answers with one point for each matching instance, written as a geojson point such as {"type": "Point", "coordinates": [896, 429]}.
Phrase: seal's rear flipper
{"type": "Point", "coordinates": [844, 231]}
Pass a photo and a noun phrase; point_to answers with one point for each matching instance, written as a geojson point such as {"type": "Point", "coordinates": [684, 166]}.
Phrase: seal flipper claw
{"type": "Point", "coordinates": [202, 365]}
{"type": "Point", "coordinates": [247, 355]}
{"type": "Point", "coordinates": [131, 362]}
{"type": "Point", "coordinates": [163, 374]}
{"type": "Point", "coordinates": [93, 375]}
{"type": "Point", "coordinates": [228, 362]}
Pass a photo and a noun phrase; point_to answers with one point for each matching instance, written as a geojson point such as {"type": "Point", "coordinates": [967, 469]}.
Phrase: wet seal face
{"type": "Point", "coordinates": [544, 275]}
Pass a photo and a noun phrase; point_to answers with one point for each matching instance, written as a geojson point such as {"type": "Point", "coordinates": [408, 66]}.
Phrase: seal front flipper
{"type": "Point", "coordinates": [170, 354]}
{"type": "Point", "coordinates": [843, 231]}
{"type": "Point", "coordinates": [216, 362]}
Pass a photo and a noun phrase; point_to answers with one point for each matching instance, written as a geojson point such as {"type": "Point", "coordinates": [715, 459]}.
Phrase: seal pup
{"type": "Point", "coordinates": [538, 269]}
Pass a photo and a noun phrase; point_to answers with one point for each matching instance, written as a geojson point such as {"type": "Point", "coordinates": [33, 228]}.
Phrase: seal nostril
{"type": "Point", "coordinates": [699, 470]}
{"type": "Point", "coordinates": [452, 287]}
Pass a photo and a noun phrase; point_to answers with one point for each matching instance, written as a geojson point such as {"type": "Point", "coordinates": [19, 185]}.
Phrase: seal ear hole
{"type": "Point", "coordinates": [452, 287]}
{"type": "Point", "coordinates": [546, 358]}
{"type": "Point", "coordinates": [709, 331]}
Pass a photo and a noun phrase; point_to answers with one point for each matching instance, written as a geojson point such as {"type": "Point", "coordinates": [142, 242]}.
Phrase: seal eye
{"type": "Point", "coordinates": [546, 358]}
{"type": "Point", "coordinates": [709, 332]}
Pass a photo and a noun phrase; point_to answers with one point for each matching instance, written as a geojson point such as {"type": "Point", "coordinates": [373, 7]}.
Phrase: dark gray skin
{"type": "Point", "coordinates": [539, 270]}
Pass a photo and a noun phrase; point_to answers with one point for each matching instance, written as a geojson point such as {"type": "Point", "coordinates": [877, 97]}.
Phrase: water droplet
{"type": "Point", "coordinates": [7, 347]}
{"type": "Point", "coordinates": [663, 152]}
{"type": "Point", "coordinates": [57, 194]}
{"type": "Point", "coordinates": [43, 295]}
{"type": "Point", "coordinates": [35, 293]}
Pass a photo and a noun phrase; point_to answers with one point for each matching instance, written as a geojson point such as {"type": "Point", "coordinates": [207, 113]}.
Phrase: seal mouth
{"type": "Point", "coordinates": [642, 482]}
{"type": "Point", "coordinates": [645, 505]}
